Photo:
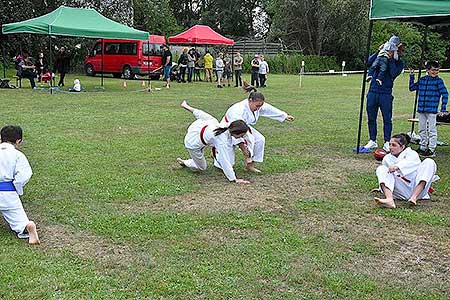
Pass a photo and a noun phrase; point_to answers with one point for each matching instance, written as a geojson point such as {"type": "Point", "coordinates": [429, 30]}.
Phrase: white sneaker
{"type": "Point", "coordinates": [371, 144]}
{"type": "Point", "coordinates": [386, 147]}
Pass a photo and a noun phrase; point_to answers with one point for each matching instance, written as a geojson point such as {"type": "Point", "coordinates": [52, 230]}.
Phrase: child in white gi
{"type": "Point", "coordinates": [15, 171]}
{"type": "Point", "coordinates": [205, 131]}
{"type": "Point", "coordinates": [250, 110]}
{"type": "Point", "coordinates": [402, 175]}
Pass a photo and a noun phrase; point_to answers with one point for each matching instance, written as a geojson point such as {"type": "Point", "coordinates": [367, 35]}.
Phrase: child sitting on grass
{"type": "Point", "coordinates": [15, 171]}
{"type": "Point", "coordinates": [431, 89]}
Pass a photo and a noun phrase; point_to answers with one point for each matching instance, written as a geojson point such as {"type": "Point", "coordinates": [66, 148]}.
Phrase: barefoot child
{"type": "Point", "coordinates": [205, 131]}
{"type": "Point", "coordinates": [402, 175]}
{"type": "Point", "coordinates": [15, 171]}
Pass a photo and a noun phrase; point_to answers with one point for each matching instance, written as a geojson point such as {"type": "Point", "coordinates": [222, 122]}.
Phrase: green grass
{"type": "Point", "coordinates": [113, 207]}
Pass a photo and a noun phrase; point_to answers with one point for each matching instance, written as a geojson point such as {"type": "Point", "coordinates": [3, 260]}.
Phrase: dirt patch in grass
{"type": "Point", "coordinates": [416, 256]}
{"type": "Point", "coordinates": [266, 192]}
{"type": "Point", "coordinates": [89, 246]}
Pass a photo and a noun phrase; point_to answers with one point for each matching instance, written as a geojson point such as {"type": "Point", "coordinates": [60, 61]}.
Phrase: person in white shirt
{"type": "Point", "coordinates": [15, 171]}
{"type": "Point", "coordinates": [249, 110]}
{"type": "Point", "coordinates": [219, 70]}
{"type": "Point", "coordinates": [263, 71]}
{"type": "Point", "coordinates": [206, 131]}
{"type": "Point", "coordinates": [402, 175]}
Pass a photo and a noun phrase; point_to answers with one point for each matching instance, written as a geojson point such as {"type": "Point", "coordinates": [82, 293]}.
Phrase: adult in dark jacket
{"type": "Point", "coordinates": [62, 64]}
{"type": "Point", "coordinates": [380, 97]}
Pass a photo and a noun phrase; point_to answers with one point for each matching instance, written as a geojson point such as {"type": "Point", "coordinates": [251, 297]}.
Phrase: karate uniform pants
{"type": "Point", "coordinates": [197, 161]}
{"type": "Point", "coordinates": [383, 102]}
{"type": "Point", "coordinates": [17, 220]}
{"type": "Point", "coordinates": [401, 189]}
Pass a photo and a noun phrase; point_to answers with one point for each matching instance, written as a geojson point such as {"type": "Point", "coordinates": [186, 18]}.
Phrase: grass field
{"type": "Point", "coordinates": [118, 219]}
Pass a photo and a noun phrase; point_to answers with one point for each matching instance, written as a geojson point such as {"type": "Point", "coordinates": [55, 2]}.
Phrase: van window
{"type": "Point", "coordinates": [121, 48]}
{"type": "Point", "coordinates": [97, 49]}
{"type": "Point", "coordinates": [149, 49]}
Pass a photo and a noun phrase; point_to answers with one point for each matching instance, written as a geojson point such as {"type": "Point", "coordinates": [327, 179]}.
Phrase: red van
{"type": "Point", "coordinates": [126, 57]}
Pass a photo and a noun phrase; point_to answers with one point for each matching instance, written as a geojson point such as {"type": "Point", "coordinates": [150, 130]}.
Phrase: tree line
{"type": "Point", "coordinates": [311, 27]}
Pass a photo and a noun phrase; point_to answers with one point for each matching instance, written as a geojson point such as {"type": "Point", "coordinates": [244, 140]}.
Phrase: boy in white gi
{"type": "Point", "coordinates": [402, 175]}
{"type": "Point", "coordinates": [205, 131]}
{"type": "Point", "coordinates": [250, 110]}
{"type": "Point", "coordinates": [15, 171]}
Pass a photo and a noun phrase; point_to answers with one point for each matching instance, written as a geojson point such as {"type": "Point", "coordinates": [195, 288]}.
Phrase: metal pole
{"type": "Point", "coordinates": [52, 78]}
{"type": "Point", "coordinates": [363, 88]}
{"type": "Point", "coordinates": [103, 50]}
{"type": "Point", "coordinates": [422, 58]}
{"type": "Point", "coordinates": [4, 55]}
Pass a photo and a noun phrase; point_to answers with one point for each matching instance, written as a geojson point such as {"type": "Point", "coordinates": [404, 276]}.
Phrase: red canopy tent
{"type": "Point", "coordinates": [200, 35]}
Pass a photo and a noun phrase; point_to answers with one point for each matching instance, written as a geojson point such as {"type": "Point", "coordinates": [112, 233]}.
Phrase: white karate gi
{"type": "Point", "coordinates": [254, 139]}
{"type": "Point", "coordinates": [201, 134]}
{"type": "Point", "coordinates": [411, 171]}
{"type": "Point", "coordinates": [14, 167]}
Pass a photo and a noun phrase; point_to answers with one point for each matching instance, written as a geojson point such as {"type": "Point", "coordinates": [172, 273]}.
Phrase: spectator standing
{"type": "Point", "coordinates": [183, 61]}
{"type": "Point", "coordinates": [62, 64]}
{"type": "Point", "coordinates": [191, 63]}
{"type": "Point", "coordinates": [208, 59]}
{"type": "Point", "coordinates": [255, 71]}
{"type": "Point", "coordinates": [227, 69]}
{"type": "Point", "coordinates": [237, 63]}
{"type": "Point", "coordinates": [263, 70]}
{"type": "Point", "coordinates": [167, 64]}
{"type": "Point", "coordinates": [198, 66]}
{"type": "Point", "coordinates": [41, 66]}
{"type": "Point", "coordinates": [431, 89]}
{"type": "Point", "coordinates": [219, 69]}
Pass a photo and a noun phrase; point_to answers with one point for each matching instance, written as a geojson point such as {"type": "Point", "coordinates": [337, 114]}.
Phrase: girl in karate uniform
{"type": "Point", "coordinates": [205, 131]}
{"type": "Point", "coordinates": [402, 175]}
{"type": "Point", "coordinates": [15, 171]}
{"type": "Point", "coordinates": [249, 110]}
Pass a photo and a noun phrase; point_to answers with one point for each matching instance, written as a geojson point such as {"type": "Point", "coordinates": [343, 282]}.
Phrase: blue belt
{"type": "Point", "coordinates": [7, 186]}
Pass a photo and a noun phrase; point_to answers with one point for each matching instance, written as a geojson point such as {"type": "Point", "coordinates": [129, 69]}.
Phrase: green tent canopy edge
{"type": "Point", "coordinates": [76, 22]}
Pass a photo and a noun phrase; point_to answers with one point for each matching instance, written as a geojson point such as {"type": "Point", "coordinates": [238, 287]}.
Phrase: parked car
{"type": "Point", "coordinates": [126, 58]}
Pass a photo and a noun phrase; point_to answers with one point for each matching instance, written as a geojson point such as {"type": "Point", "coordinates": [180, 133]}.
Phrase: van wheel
{"type": "Point", "coordinates": [117, 75]}
{"type": "Point", "coordinates": [89, 70]}
{"type": "Point", "coordinates": [127, 73]}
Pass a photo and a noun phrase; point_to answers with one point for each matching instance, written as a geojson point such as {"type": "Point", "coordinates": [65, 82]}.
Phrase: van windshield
{"type": "Point", "coordinates": [149, 49]}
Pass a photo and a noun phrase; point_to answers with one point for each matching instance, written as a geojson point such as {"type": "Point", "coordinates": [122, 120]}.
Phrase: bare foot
{"type": "Point", "coordinates": [34, 238]}
{"type": "Point", "coordinates": [412, 201]}
{"type": "Point", "coordinates": [186, 106]}
{"type": "Point", "coordinates": [181, 162]}
{"type": "Point", "coordinates": [251, 167]}
{"type": "Point", "coordinates": [387, 203]}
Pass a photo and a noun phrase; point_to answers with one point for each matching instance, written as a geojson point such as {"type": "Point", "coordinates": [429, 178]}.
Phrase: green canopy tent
{"type": "Point", "coordinates": [426, 12]}
{"type": "Point", "coordinates": [75, 22]}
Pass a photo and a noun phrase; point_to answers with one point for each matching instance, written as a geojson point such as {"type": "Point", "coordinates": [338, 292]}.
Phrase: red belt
{"type": "Point", "coordinates": [202, 132]}
{"type": "Point", "coordinates": [404, 178]}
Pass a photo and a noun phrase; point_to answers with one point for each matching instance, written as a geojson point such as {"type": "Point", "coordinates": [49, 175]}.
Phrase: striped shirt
{"type": "Point", "coordinates": [431, 89]}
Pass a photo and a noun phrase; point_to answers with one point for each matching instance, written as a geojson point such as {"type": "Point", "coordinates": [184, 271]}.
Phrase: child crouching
{"type": "Point", "coordinates": [15, 171]}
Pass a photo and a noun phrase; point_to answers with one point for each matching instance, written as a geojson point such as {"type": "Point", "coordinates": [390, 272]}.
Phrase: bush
{"type": "Point", "coordinates": [291, 63]}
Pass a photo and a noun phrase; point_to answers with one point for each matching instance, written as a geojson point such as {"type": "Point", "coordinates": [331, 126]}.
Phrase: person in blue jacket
{"type": "Point", "coordinates": [380, 97]}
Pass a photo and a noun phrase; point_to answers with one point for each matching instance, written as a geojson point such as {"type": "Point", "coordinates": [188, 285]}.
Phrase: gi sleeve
{"type": "Point", "coordinates": [22, 173]}
{"type": "Point", "coordinates": [409, 163]}
{"type": "Point", "coordinates": [224, 158]}
{"type": "Point", "coordinates": [272, 112]}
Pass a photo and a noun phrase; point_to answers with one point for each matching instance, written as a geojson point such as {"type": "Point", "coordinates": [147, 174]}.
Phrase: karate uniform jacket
{"type": "Point", "coordinates": [14, 167]}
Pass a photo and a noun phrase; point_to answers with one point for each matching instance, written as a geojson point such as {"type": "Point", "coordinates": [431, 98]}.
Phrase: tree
{"type": "Point", "coordinates": [155, 17]}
